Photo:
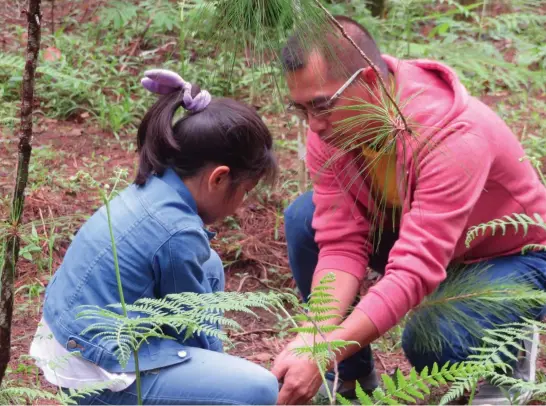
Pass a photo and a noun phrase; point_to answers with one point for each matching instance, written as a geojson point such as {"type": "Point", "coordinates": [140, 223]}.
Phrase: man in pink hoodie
{"type": "Point", "coordinates": [400, 202]}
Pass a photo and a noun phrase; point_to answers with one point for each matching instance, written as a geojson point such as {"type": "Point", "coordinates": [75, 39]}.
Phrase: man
{"type": "Point", "coordinates": [398, 201]}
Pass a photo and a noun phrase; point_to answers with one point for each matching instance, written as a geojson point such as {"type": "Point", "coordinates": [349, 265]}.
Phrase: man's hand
{"type": "Point", "coordinates": [300, 374]}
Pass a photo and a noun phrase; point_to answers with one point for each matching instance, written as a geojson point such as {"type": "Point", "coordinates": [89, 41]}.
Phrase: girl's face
{"type": "Point", "coordinates": [217, 197]}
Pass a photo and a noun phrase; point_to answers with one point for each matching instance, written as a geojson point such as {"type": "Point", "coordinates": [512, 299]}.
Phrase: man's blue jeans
{"type": "Point", "coordinates": [303, 258]}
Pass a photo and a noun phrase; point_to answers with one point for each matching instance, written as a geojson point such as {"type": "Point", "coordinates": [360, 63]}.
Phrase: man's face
{"type": "Point", "coordinates": [312, 87]}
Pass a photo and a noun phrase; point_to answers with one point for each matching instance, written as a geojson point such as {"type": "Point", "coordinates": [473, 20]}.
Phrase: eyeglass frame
{"type": "Point", "coordinates": [329, 102]}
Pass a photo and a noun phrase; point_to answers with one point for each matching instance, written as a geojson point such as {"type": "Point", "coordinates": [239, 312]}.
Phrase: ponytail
{"type": "Point", "coordinates": [155, 138]}
{"type": "Point", "coordinates": [220, 131]}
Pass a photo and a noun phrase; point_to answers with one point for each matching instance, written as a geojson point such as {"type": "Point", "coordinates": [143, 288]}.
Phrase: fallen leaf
{"type": "Point", "coordinates": [75, 132]}
{"type": "Point", "coordinates": [52, 54]}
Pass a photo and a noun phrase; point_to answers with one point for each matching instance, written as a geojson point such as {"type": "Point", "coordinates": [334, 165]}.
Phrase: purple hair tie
{"type": "Point", "coordinates": [162, 81]}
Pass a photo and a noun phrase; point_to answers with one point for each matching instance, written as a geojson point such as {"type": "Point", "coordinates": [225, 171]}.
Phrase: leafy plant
{"type": "Point", "coordinates": [415, 385]}
{"type": "Point", "coordinates": [187, 314]}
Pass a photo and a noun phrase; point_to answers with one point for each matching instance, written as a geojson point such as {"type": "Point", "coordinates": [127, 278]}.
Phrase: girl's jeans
{"type": "Point", "coordinates": [303, 258]}
{"type": "Point", "coordinates": [207, 378]}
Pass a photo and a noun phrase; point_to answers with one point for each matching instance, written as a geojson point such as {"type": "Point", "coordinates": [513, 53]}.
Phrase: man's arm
{"type": "Point", "coordinates": [341, 232]}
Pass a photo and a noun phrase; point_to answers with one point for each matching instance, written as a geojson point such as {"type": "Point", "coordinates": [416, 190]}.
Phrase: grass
{"type": "Point", "coordinates": [93, 87]}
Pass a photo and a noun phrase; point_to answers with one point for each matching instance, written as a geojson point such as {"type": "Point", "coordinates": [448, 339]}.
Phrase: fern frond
{"type": "Point", "coordinates": [73, 395]}
{"type": "Point", "coordinates": [415, 385]}
{"type": "Point", "coordinates": [313, 330]}
{"type": "Point", "coordinates": [515, 221]}
{"type": "Point", "coordinates": [21, 395]}
{"type": "Point", "coordinates": [323, 346]}
{"type": "Point", "coordinates": [187, 314]}
{"type": "Point", "coordinates": [486, 360]}
{"type": "Point", "coordinates": [533, 247]}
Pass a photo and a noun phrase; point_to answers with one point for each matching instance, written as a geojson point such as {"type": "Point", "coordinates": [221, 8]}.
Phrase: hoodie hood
{"type": "Point", "coordinates": [430, 93]}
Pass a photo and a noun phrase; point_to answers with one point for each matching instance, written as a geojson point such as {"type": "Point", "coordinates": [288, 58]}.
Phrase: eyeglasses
{"type": "Point", "coordinates": [321, 109]}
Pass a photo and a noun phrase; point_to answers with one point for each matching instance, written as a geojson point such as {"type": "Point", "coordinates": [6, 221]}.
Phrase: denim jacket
{"type": "Point", "coordinates": [161, 244]}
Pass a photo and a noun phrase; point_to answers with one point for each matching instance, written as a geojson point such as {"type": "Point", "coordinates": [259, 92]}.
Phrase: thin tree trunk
{"type": "Point", "coordinates": [11, 246]}
{"type": "Point", "coordinates": [377, 7]}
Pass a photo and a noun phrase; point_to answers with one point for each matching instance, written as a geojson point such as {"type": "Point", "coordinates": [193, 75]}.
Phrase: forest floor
{"type": "Point", "coordinates": [251, 243]}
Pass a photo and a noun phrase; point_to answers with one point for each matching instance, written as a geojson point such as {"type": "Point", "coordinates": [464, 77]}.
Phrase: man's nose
{"type": "Point", "coordinates": [317, 125]}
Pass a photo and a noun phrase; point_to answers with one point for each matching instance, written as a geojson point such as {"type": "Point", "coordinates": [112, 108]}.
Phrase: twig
{"type": "Point", "coordinates": [264, 271]}
{"type": "Point", "coordinates": [161, 48]}
{"type": "Point", "coordinates": [263, 330]}
{"type": "Point", "coordinates": [52, 17]}
{"type": "Point", "coordinates": [134, 47]}
{"type": "Point", "coordinates": [259, 280]}
{"type": "Point", "coordinates": [368, 60]}
{"type": "Point", "coordinates": [43, 225]}
{"type": "Point", "coordinates": [380, 358]}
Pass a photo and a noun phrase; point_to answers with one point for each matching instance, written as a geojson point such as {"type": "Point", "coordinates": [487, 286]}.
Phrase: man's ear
{"type": "Point", "coordinates": [219, 177]}
{"type": "Point", "coordinates": [369, 76]}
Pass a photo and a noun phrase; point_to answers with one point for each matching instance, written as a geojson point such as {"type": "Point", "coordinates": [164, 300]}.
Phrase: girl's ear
{"type": "Point", "coordinates": [218, 178]}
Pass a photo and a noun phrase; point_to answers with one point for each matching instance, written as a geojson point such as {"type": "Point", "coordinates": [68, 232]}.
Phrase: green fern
{"type": "Point", "coordinates": [319, 308]}
{"type": "Point", "coordinates": [74, 396]}
{"type": "Point", "coordinates": [313, 316]}
{"type": "Point", "coordinates": [516, 221]}
{"type": "Point", "coordinates": [533, 247]}
{"type": "Point", "coordinates": [415, 385]}
{"type": "Point", "coordinates": [187, 314]}
{"type": "Point", "coordinates": [21, 395]}
{"type": "Point", "coordinates": [461, 376]}
{"type": "Point", "coordinates": [487, 359]}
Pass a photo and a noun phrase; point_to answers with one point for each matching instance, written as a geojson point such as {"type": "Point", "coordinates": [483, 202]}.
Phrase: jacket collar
{"type": "Point", "coordinates": [171, 178]}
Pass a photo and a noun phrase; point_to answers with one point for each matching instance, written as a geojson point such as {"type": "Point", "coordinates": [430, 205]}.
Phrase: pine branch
{"type": "Point", "coordinates": [468, 289]}
{"type": "Point", "coordinates": [368, 60]}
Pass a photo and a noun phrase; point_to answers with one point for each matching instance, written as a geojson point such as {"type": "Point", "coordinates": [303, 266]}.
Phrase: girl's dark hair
{"type": "Point", "coordinates": [226, 132]}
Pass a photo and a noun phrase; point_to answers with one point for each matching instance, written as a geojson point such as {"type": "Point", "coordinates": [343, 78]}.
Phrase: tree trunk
{"type": "Point", "coordinates": [377, 7]}
{"type": "Point", "coordinates": [11, 245]}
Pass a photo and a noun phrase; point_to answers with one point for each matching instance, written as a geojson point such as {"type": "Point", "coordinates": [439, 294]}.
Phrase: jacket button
{"type": "Point", "coordinates": [71, 344]}
{"type": "Point", "coordinates": [182, 354]}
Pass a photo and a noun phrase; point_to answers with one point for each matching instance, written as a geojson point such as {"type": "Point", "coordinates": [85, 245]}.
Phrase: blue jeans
{"type": "Point", "coordinates": [303, 258]}
{"type": "Point", "coordinates": [207, 378]}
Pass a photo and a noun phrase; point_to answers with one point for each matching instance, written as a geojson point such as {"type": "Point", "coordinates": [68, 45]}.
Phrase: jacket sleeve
{"type": "Point", "coordinates": [341, 229]}
{"type": "Point", "coordinates": [178, 263]}
{"type": "Point", "coordinates": [450, 180]}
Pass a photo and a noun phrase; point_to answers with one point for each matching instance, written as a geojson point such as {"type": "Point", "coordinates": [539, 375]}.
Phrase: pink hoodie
{"type": "Point", "coordinates": [469, 174]}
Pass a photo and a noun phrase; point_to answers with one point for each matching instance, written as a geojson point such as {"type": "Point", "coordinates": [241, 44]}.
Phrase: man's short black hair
{"type": "Point", "coordinates": [342, 57]}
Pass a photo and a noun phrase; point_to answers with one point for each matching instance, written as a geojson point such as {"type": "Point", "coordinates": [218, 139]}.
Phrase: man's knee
{"type": "Point", "coordinates": [452, 343]}
{"type": "Point", "coordinates": [298, 217]}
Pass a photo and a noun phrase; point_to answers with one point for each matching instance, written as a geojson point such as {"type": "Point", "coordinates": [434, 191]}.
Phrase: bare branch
{"type": "Point", "coordinates": [368, 60]}
{"type": "Point", "coordinates": [11, 247]}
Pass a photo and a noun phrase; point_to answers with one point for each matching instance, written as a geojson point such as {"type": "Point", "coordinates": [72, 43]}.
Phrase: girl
{"type": "Point", "coordinates": [190, 174]}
